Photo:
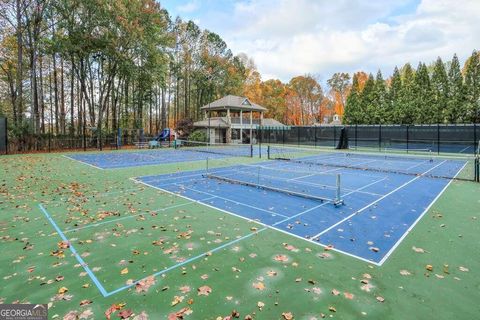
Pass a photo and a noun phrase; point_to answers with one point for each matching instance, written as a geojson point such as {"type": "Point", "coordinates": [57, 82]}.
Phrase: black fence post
{"type": "Point", "coordinates": [334, 135]}
{"type": "Point", "coordinates": [260, 141]}
{"type": "Point", "coordinates": [438, 138]}
{"type": "Point", "coordinates": [408, 128]}
{"type": "Point", "coordinates": [298, 136]}
{"type": "Point", "coordinates": [380, 137]}
{"type": "Point", "coordinates": [315, 135]}
{"type": "Point", "coordinates": [475, 138]}
{"type": "Point", "coordinates": [356, 131]}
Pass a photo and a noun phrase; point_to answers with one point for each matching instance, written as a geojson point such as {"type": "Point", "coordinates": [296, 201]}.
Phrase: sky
{"type": "Point", "coordinates": [287, 38]}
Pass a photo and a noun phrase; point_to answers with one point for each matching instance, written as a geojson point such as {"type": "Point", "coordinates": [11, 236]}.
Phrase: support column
{"type": "Point", "coordinates": [241, 126]}
{"type": "Point", "coordinates": [228, 134]}
{"type": "Point", "coordinates": [251, 127]}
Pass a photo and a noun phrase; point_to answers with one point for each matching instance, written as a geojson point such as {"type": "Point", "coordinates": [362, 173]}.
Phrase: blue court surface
{"type": "Point", "coordinates": [378, 211]}
{"type": "Point", "coordinates": [113, 160]}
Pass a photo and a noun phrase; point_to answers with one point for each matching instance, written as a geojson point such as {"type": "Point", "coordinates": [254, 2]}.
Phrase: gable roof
{"type": "Point", "coordinates": [234, 103]}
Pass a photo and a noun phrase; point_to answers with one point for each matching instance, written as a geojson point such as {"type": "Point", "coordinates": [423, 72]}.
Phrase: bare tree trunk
{"type": "Point", "coordinates": [42, 102]}
{"type": "Point", "coordinates": [79, 109]}
{"type": "Point", "coordinates": [55, 89]}
{"type": "Point", "coordinates": [62, 98]}
{"type": "Point", "coordinates": [150, 111]}
{"type": "Point", "coordinates": [33, 79]}
{"type": "Point", "coordinates": [18, 105]}
{"type": "Point", "coordinates": [72, 97]}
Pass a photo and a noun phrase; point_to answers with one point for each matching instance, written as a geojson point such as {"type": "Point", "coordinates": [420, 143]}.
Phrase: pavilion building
{"type": "Point", "coordinates": [234, 119]}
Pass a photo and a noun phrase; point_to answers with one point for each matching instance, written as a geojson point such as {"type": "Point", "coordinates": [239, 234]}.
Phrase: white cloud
{"type": "Point", "coordinates": [287, 38]}
{"type": "Point", "coordinates": [189, 7]}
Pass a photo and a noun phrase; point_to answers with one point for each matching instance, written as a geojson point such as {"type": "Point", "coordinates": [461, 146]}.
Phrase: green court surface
{"type": "Point", "coordinates": [209, 264]}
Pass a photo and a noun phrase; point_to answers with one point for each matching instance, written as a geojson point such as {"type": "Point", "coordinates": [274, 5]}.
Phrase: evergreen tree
{"type": "Point", "coordinates": [380, 100]}
{"type": "Point", "coordinates": [407, 103]}
{"type": "Point", "coordinates": [440, 90]}
{"type": "Point", "coordinates": [352, 105]}
{"type": "Point", "coordinates": [455, 105]}
{"type": "Point", "coordinates": [424, 110]}
{"type": "Point", "coordinates": [368, 109]}
{"type": "Point", "coordinates": [394, 97]}
{"type": "Point", "coordinates": [472, 88]}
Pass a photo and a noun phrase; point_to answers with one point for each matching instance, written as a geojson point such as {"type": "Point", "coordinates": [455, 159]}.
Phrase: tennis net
{"type": "Point", "coordinates": [423, 162]}
{"type": "Point", "coordinates": [319, 187]}
{"type": "Point", "coordinates": [235, 150]}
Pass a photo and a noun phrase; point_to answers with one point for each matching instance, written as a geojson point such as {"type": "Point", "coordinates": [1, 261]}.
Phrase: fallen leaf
{"type": "Point", "coordinates": [259, 285]}
{"type": "Point", "coordinates": [124, 314]}
{"type": "Point", "coordinates": [281, 258]}
{"type": "Point", "coordinates": [176, 300]}
{"type": "Point", "coordinates": [124, 271]}
{"type": "Point", "coordinates": [287, 315]}
{"type": "Point", "coordinates": [418, 250]}
{"type": "Point", "coordinates": [380, 299]}
{"type": "Point", "coordinates": [204, 290]}
{"type": "Point", "coordinates": [85, 302]}
{"type": "Point", "coordinates": [348, 295]}
{"type": "Point", "coordinates": [185, 289]}
{"type": "Point", "coordinates": [62, 290]}
{"type": "Point", "coordinates": [405, 272]}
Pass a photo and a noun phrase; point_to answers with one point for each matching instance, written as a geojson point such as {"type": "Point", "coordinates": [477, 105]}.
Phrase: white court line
{"type": "Point", "coordinates": [83, 162]}
{"type": "Point", "coordinates": [464, 149]}
{"type": "Point", "coordinates": [416, 165]}
{"type": "Point", "coordinates": [418, 219]}
{"type": "Point", "coordinates": [130, 216]}
{"type": "Point", "coordinates": [199, 172]}
{"type": "Point", "coordinates": [323, 245]}
{"type": "Point", "coordinates": [376, 201]}
{"type": "Point", "coordinates": [233, 201]}
{"type": "Point", "coordinates": [276, 223]}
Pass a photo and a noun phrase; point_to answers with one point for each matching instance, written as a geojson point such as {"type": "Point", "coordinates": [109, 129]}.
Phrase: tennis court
{"type": "Point", "coordinates": [200, 150]}
{"type": "Point", "coordinates": [327, 226]}
{"type": "Point", "coordinates": [383, 197]}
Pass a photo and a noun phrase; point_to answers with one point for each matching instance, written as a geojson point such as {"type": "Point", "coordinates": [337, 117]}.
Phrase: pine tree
{"type": "Point", "coordinates": [407, 103]}
{"type": "Point", "coordinates": [394, 97]}
{"type": "Point", "coordinates": [367, 102]}
{"type": "Point", "coordinates": [440, 90]}
{"type": "Point", "coordinates": [424, 110]}
{"type": "Point", "coordinates": [380, 100]}
{"type": "Point", "coordinates": [353, 103]}
{"type": "Point", "coordinates": [472, 87]}
{"type": "Point", "coordinates": [456, 104]}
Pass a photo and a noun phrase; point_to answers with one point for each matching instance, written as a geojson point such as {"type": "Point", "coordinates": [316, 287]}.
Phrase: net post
{"type": "Point", "coordinates": [338, 196]}
{"type": "Point", "coordinates": [206, 169]}
{"type": "Point", "coordinates": [251, 150]}
{"type": "Point", "coordinates": [268, 152]}
{"type": "Point", "coordinates": [258, 175]}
